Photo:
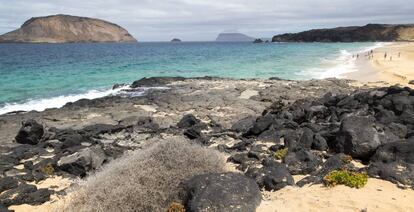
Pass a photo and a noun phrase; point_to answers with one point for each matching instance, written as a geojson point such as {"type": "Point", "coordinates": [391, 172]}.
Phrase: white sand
{"type": "Point", "coordinates": [248, 93]}
{"type": "Point", "coordinates": [377, 195]}
{"type": "Point", "coordinates": [398, 70]}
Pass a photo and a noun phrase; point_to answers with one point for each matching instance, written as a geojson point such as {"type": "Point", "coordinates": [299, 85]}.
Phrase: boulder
{"type": "Point", "coordinates": [71, 138]}
{"type": "Point", "coordinates": [306, 140]}
{"type": "Point", "coordinates": [411, 82]}
{"type": "Point", "coordinates": [81, 162]}
{"type": "Point", "coordinates": [226, 192]}
{"type": "Point", "coordinates": [244, 124]}
{"type": "Point", "coordinates": [336, 162]}
{"type": "Point", "coordinates": [361, 136]}
{"type": "Point", "coordinates": [4, 209]}
{"type": "Point", "coordinates": [302, 161]}
{"type": "Point", "coordinates": [31, 132]}
{"type": "Point", "coordinates": [97, 129]}
{"type": "Point", "coordinates": [262, 124]}
{"type": "Point", "coordinates": [187, 121]}
{"type": "Point", "coordinates": [319, 143]}
{"type": "Point", "coordinates": [23, 194]}
{"type": "Point", "coordinates": [394, 162]}
{"type": "Point", "coordinates": [272, 176]}
{"type": "Point", "coordinates": [7, 183]}
{"type": "Point", "coordinates": [193, 133]}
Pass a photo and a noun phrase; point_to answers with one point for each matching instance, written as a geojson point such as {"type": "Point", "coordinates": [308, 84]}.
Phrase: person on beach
{"type": "Point", "coordinates": [385, 55]}
{"type": "Point", "coordinates": [399, 54]}
{"type": "Point", "coordinates": [390, 58]}
{"type": "Point", "coordinates": [357, 56]}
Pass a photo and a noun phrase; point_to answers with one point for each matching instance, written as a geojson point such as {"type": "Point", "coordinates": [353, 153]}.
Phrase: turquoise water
{"type": "Point", "coordinates": [36, 76]}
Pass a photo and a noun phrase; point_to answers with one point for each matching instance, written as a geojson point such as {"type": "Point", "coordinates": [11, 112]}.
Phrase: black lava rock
{"type": "Point", "coordinates": [302, 161]}
{"type": "Point", "coordinates": [81, 162]}
{"type": "Point", "coordinates": [226, 192]}
{"type": "Point", "coordinates": [7, 183]}
{"type": "Point", "coordinates": [31, 132]}
{"type": "Point", "coordinates": [272, 176]}
{"type": "Point", "coordinates": [394, 162]}
{"type": "Point", "coordinates": [336, 162]}
{"type": "Point", "coordinates": [361, 136]}
{"type": "Point", "coordinates": [187, 121]}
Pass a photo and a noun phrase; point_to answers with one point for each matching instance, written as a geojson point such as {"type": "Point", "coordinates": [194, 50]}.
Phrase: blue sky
{"type": "Point", "coordinates": [193, 20]}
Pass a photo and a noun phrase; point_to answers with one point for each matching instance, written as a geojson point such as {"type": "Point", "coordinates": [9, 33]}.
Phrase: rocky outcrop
{"type": "Point", "coordinates": [234, 37]}
{"type": "Point", "coordinates": [368, 33]}
{"type": "Point", "coordinates": [288, 128]}
{"type": "Point", "coordinates": [67, 29]}
{"type": "Point", "coordinates": [176, 40]}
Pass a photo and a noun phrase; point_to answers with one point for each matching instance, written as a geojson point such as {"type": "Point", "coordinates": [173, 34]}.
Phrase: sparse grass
{"type": "Point", "coordinates": [176, 207]}
{"type": "Point", "coordinates": [146, 180]}
{"type": "Point", "coordinates": [348, 178]}
{"type": "Point", "coordinates": [48, 169]}
{"type": "Point", "coordinates": [347, 159]}
{"type": "Point", "coordinates": [281, 153]}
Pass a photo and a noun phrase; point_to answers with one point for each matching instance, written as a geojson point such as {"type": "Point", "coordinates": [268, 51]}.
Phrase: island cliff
{"type": "Point", "coordinates": [233, 37]}
{"type": "Point", "coordinates": [367, 33]}
{"type": "Point", "coordinates": [67, 29]}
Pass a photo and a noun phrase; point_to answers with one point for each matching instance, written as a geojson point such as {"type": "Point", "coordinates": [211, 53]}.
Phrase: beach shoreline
{"type": "Point", "coordinates": [394, 68]}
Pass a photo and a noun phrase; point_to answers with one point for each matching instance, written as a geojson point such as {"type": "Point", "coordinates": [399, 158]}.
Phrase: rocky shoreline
{"type": "Point", "coordinates": [322, 125]}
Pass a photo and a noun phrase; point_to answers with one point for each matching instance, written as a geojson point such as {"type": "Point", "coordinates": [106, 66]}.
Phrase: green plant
{"type": "Point", "coordinates": [348, 178]}
{"type": "Point", "coordinates": [281, 153]}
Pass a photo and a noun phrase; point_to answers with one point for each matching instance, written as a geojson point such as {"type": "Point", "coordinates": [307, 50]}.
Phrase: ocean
{"type": "Point", "coordinates": [40, 76]}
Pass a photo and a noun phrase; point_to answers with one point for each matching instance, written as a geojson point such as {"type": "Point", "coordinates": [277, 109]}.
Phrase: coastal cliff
{"type": "Point", "coordinates": [367, 33]}
{"type": "Point", "coordinates": [233, 37]}
{"type": "Point", "coordinates": [67, 29]}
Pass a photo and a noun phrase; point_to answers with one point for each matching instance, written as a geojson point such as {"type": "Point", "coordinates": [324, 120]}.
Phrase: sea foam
{"type": "Point", "coordinates": [346, 62]}
{"type": "Point", "coordinates": [58, 101]}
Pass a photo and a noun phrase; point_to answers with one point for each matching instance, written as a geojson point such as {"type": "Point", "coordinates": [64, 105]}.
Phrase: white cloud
{"type": "Point", "coordinates": [202, 20]}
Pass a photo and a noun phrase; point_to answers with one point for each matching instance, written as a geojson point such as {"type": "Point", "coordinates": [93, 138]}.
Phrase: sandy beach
{"type": "Point", "coordinates": [396, 68]}
{"type": "Point", "coordinates": [377, 195]}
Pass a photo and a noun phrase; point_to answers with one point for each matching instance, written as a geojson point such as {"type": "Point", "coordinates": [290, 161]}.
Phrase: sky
{"type": "Point", "coordinates": [195, 20]}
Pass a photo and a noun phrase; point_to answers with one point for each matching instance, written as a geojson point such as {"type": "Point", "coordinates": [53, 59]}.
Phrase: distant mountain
{"type": "Point", "coordinates": [67, 29]}
{"type": "Point", "coordinates": [234, 37]}
{"type": "Point", "coordinates": [370, 32]}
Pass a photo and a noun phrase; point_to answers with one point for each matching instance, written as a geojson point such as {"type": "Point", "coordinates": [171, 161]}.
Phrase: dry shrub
{"type": "Point", "coordinates": [146, 180]}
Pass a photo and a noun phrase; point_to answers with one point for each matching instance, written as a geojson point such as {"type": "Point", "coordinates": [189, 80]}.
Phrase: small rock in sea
{"type": "Point", "coordinates": [229, 192]}
{"type": "Point", "coordinates": [30, 133]}
{"type": "Point", "coordinates": [116, 86]}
